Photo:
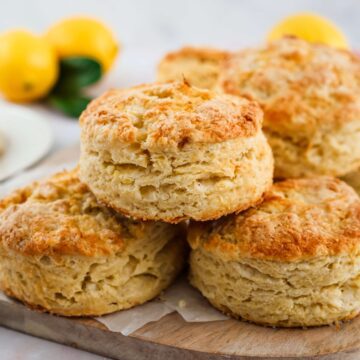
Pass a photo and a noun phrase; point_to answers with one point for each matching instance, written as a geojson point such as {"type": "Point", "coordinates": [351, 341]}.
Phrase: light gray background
{"type": "Point", "coordinates": [146, 29]}
{"type": "Point", "coordinates": [166, 23]}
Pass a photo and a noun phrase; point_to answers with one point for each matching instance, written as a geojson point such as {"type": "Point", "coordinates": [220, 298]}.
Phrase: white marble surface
{"type": "Point", "coordinates": [147, 29]}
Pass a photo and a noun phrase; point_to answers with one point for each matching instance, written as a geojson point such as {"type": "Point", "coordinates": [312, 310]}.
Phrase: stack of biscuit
{"type": "Point", "coordinates": [195, 151]}
{"type": "Point", "coordinates": [293, 259]}
{"type": "Point", "coordinates": [108, 235]}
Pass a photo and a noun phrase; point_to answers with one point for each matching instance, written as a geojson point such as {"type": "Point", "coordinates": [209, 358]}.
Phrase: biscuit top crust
{"type": "Point", "coordinates": [61, 216]}
{"type": "Point", "coordinates": [202, 54]}
{"type": "Point", "coordinates": [301, 87]}
{"type": "Point", "coordinates": [298, 219]}
{"type": "Point", "coordinates": [167, 116]}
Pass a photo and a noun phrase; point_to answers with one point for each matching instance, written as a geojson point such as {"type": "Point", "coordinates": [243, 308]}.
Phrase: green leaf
{"type": "Point", "coordinates": [72, 105]}
{"type": "Point", "coordinates": [76, 73]}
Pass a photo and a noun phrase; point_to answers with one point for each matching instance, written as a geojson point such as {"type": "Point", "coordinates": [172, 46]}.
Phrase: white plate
{"type": "Point", "coordinates": [28, 138]}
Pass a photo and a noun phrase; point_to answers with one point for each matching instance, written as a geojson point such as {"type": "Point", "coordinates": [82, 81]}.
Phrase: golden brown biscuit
{"type": "Point", "coordinates": [199, 66]}
{"type": "Point", "coordinates": [172, 152]}
{"type": "Point", "coordinates": [62, 252]}
{"type": "Point", "coordinates": [293, 260]}
{"type": "Point", "coordinates": [310, 97]}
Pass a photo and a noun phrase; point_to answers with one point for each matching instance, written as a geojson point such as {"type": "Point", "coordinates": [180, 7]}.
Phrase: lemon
{"type": "Point", "coordinates": [310, 27]}
{"type": "Point", "coordinates": [28, 66]}
{"type": "Point", "coordinates": [83, 36]}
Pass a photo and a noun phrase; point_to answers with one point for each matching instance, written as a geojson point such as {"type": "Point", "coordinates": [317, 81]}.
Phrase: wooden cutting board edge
{"type": "Point", "coordinates": [90, 335]}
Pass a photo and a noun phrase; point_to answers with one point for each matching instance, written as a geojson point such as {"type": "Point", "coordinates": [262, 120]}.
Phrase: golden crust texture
{"type": "Point", "coordinates": [293, 260]}
{"type": "Point", "coordinates": [60, 215]}
{"type": "Point", "coordinates": [298, 219]}
{"type": "Point", "coordinates": [171, 152]}
{"type": "Point", "coordinates": [167, 116]}
{"type": "Point", "coordinates": [62, 251]}
{"type": "Point", "coordinates": [199, 66]}
{"type": "Point", "coordinates": [310, 98]}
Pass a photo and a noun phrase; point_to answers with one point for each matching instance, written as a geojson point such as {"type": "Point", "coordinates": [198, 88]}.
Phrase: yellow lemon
{"type": "Point", "coordinates": [310, 27]}
{"type": "Point", "coordinates": [28, 66]}
{"type": "Point", "coordinates": [83, 36]}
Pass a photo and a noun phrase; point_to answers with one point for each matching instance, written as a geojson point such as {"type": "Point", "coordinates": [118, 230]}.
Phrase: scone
{"type": "Point", "coordinates": [293, 260]}
{"type": "Point", "coordinates": [199, 66]}
{"type": "Point", "coordinates": [310, 97]}
{"type": "Point", "coordinates": [173, 152]}
{"type": "Point", "coordinates": [62, 252]}
{"type": "Point", "coordinates": [353, 179]}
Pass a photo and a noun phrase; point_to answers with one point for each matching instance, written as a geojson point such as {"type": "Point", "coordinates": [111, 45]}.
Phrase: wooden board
{"type": "Point", "coordinates": [173, 338]}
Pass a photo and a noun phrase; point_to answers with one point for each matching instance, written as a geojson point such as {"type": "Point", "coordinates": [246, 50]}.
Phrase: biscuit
{"type": "Point", "coordinates": [293, 260]}
{"type": "Point", "coordinates": [172, 152]}
{"type": "Point", "coordinates": [310, 98]}
{"type": "Point", "coordinates": [199, 66]}
{"type": "Point", "coordinates": [62, 252]}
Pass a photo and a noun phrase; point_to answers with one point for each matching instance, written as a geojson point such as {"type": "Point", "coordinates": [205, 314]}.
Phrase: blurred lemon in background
{"type": "Point", "coordinates": [310, 27]}
{"type": "Point", "coordinates": [28, 66]}
{"type": "Point", "coordinates": [82, 36]}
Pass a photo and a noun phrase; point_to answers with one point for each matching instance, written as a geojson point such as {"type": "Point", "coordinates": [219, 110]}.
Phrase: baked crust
{"type": "Point", "coordinates": [201, 53]}
{"type": "Point", "coordinates": [63, 252]}
{"type": "Point", "coordinates": [61, 216]}
{"type": "Point", "coordinates": [298, 219]}
{"type": "Point", "coordinates": [164, 116]}
{"type": "Point", "coordinates": [310, 97]}
{"type": "Point", "coordinates": [292, 77]}
{"type": "Point", "coordinates": [200, 66]}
